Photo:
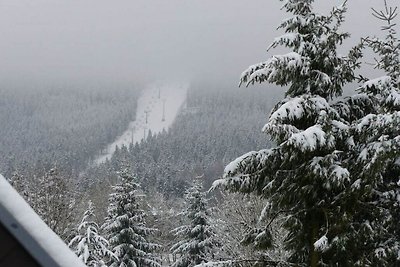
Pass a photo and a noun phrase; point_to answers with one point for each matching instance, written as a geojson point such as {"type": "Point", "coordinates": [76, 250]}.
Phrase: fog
{"type": "Point", "coordinates": [130, 41]}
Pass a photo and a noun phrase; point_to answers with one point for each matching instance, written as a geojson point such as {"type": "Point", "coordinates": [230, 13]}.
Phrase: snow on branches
{"type": "Point", "coordinates": [90, 246]}
{"type": "Point", "coordinates": [313, 66]}
{"type": "Point", "coordinates": [197, 238]}
{"type": "Point", "coordinates": [126, 226]}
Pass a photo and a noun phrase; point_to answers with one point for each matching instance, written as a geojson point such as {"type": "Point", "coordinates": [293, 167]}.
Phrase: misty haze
{"type": "Point", "coordinates": [199, 133]}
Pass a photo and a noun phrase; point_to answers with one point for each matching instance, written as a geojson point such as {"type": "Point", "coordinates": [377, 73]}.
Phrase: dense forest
{"type": "Point", "coordinates": [194, 145]}
{"type": "Point", "coordinates": [317, 183]}
{"type": "Point", "coordinates": [66, 127]}
{"type": "Point", "coordinates": [214, 126]}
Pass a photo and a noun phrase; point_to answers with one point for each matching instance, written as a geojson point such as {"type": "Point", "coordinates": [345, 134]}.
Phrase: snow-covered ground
{"type": "Point", "coordinates": [160, 104]}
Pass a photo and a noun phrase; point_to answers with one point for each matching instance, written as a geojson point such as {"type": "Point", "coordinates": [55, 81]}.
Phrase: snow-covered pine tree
{"type": "Point", "coordinates": [304, 176]}
{"type": "Point", "coordinates": [385, 90]}
{"type": "Point", "coordinates": [88, 244]}
{"type": "Point", "coordinates": [376, 157]}
{"type": "Point", "coordinates": [126, 226]}
{"type": "Point", "coordinates": [197, 239]}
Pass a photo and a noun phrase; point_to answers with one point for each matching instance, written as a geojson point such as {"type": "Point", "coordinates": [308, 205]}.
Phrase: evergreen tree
{"type": "Point", "coordinates": [126, 226]}
{"type": "Point", "coordinates": [376, 169]}
{"type": "Point", "coordinates": [197, 238]}
{"type": "Point", "coordinates": [305, 175]}
{"type": "Point", "coordinates": [88, 244]}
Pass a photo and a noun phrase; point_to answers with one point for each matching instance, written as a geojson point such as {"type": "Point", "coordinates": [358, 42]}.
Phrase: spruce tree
{"type": "Point", "coordinates": [88, 244]}
{"type": "Point", "coordinates": [197, 239]}
{"type": "Point", "coordinates": [305, 174]}
{"type": "Point", "coordinates": [376, 157]}
{"type": "Point", "coordinates": [126, 226]}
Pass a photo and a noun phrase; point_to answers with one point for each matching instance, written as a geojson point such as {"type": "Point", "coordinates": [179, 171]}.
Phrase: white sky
{"type": "Point", "coordinates": [68, 41]}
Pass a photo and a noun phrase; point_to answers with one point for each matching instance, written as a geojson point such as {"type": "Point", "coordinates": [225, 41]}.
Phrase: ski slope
{"type": "Point", "coordinates": [157, 109]}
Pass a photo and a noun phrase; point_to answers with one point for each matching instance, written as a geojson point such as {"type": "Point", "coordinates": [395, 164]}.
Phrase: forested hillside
{"type": "Point", "coordinates": [216, 125]}
{"type": "Point", "coordinates": [66, 127]}
{"type": "Point", "coordinates": [292, 172]}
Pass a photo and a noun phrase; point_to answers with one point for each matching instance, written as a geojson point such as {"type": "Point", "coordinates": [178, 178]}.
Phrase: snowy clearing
{"type": "Point", "coordinates": [157, 109]}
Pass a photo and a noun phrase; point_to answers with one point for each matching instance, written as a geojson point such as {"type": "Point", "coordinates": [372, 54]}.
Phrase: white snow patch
{"type": "Point", "coordinates": [309, 139]}
{"type": "Point", "coordinates": [394, 97]}
{"type": "Point", "coordinates": [356, 184]}
{"type": "Point", "coordinates": [340, 174]}
{"type": "Point", "coordinates": [233, 166]}
{"type": "Point", "coordinates": [296, 108]}
{"type": "Point", "coordinates": [286, 38]}
{"type": "Point", "coordinates": [365, 121]}
{"type": "Point", "coordinates": [384, 80]}
{"type": "Point", "coordinates": [340, 125]}
{"type": "Point", "coordinates": [380, 252]}
{"type": "Point", "coordinates": [264, 212]}
{"type": "Point", "coordinates": [268, 70]}
{"type": "Point", "coordinates": [321, 244]}
{"type": "Point", "coordinates": [152, 102]}
{"type": "Point", "coordinates": [215, 264]}
{"type": "Point", "coordinates": [293, 109]}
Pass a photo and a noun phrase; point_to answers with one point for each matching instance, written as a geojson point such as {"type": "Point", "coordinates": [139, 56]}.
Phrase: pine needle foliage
{"type": "Point", "coordinates": [305, 174]}
{"type": "Point", "coordinates": [88, 244]}
{"type": "Point", "coordinates": [126, 226]}
{"type": "Point", "coordinates": [197, 239]}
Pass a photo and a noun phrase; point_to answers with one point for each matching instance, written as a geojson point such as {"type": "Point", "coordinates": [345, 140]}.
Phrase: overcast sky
{"type": "Point", "coordinates": [135, 40]}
